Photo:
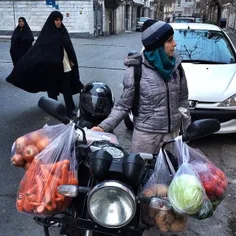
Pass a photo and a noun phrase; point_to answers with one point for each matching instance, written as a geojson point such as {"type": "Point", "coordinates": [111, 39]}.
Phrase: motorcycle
{"type": "Point", "coordinates": [107, 200]}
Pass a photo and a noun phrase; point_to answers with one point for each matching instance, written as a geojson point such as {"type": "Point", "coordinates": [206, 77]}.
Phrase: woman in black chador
{"type": "Point", "coordinates": [21, 40]}
{"type": "Point", "coordinates": [50, 65]}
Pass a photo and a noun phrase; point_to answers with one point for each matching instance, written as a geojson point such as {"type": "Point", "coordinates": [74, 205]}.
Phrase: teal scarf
{"type": "Point", "coordinates": [164, 65]}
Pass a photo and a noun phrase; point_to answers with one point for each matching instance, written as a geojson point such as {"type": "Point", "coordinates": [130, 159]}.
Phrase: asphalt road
{"type": "Point", "coordinates": [102, 60]}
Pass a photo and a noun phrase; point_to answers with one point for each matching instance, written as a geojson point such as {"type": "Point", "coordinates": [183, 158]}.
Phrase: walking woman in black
{"type": "Point", "coordinates": [50, 65]}
{"type": "Point", "coordinates": [21, 40]}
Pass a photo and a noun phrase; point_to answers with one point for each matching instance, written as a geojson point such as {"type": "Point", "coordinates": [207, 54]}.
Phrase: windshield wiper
{"type": "Point", "coordinates": [189, 54]}
{"type": "Point", "coordinates": [203, 62]}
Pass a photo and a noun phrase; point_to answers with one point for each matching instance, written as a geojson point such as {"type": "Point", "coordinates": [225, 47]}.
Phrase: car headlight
{"type": "Point", "coordinates": [229, 102]}
{"type": "Point", "coordinates": [111, 204]}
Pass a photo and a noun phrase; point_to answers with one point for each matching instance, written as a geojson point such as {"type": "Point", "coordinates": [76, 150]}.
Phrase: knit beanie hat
{"type": "Point", "coordinates": [155, 34]}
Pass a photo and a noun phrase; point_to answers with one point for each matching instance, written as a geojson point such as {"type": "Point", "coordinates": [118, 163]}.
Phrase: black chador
{"type": "Point", "coordinates": [21, 41]}
{"type": "Point", "coordinates": [41, 69]}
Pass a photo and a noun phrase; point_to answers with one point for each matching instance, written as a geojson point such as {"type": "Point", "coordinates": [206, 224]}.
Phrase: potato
{"type": "Point", "coordinates": [161, 190]}
{"type": "Point", "coordinates": [148, 193]}
{"type": "Point", "coordinates": [152, 212]}
{"type": "Point", "coordinates": [158, 190]}
{"type": "Point", "coordinates": [170, 217]}
{"type": "Point", "coordinates": [179, 224]}
{"type": "Point", "coordinates": [160, 221]}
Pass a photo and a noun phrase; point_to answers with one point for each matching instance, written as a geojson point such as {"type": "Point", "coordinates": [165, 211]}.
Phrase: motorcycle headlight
{"type": "Point", "coordinates": [229, 102]}
{"type": "Point", "coordinates": [111, 204]}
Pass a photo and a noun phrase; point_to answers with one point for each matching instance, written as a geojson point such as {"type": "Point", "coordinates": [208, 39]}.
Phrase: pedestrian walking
{"type": "Point", "coordinates": [21, 40]}
{"type": "Point", "coordinates": [51, 64]}
{"type": "Point", "coordinates": [162, 96]}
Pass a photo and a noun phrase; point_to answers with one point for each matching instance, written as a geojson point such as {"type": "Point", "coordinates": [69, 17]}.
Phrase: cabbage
{"type": "Point", "coordinates": [185, 193]}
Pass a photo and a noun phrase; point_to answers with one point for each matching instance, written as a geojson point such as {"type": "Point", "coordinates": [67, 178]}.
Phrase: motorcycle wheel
{"type": "Point", "coordinates": [128, 123]}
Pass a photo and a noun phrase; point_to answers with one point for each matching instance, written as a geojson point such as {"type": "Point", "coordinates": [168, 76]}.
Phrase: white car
{"type": "Point", "coordinates": [209, 61]}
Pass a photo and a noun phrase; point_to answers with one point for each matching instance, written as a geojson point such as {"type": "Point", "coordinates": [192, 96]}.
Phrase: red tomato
{"type": "Point", "coordinates": [220, 173]}
{"type": "Point", "coordinates": [219, 191]}
{"type": "Point", "coordinates": [209, 187]}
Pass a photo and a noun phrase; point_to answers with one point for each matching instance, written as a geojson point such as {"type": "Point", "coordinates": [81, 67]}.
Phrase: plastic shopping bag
{"type": "Point", "coordinates": [213, 179]}
{"type": "Point", "coordinates": [26, 147]}
{"type": "Point", "coordinates": [159, 209]}
{"type": "Point", "coordinates": [55, 165]}
{"type": "Point", "coordinates": [186, 193]}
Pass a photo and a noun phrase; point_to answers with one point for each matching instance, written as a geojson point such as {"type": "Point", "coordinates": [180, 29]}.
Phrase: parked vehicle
{"type": "Point", "coordinates": [107, 200]}
{"type": "Point", "coordinates": [184, 19]}
{"type": "Point", "coordinates": [209, 62]}
{"type": "Point", "coordinates": [140, 22]}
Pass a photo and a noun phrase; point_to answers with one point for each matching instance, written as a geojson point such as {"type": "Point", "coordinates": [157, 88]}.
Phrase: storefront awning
{"type": "Point", "coordinates": [138, 2]}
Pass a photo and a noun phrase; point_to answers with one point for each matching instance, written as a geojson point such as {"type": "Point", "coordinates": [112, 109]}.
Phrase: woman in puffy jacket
{"type": "Point", "coordinates": [162, 104]}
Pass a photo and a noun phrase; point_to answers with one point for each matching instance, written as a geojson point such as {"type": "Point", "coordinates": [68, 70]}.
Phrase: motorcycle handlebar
{"type": "Point", "coordinates": [54, 108]}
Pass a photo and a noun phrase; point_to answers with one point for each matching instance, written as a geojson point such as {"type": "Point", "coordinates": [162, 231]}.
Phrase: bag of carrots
{"type": "Point", "coordinates": [55, 165]}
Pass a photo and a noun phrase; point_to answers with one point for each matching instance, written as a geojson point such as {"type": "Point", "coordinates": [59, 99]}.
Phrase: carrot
{"type": "Point", "coordinates": [49, 208]}
{"type": "Point", "coordinates": [31, 190]}
{"type": "Point", "coordinates": [27, 206]}
{"type": "Point", "coordinates": [55, 166]}
{"type": "Point", "coordinates": [64, 175]}
{"type": "Point", "coordinates": [32, 197]}
{"type": "Point", "coordinates": [20, 204]}
{"type": "Point", "coordinates": [40, 192]}
{"type": "Point", "coordinates": [36, 204]}
{"type": "Point", "coordinates": [40, 209]}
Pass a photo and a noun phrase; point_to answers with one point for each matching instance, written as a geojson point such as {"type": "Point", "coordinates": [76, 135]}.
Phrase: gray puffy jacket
{"type": "Point", "coordinates": [159, 102]}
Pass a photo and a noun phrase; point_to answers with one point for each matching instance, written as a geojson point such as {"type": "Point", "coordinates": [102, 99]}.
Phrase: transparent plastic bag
{"type": "Point", "coordinates": [186, 193]}
{"type": "Point", "coordinates": [159, 212]}
{"type": "Point", "coordinates": [26, 147]}
{"type": "Point", "coordinates": [54, 166]}
{"type": "Point", "coordinates": [158, 183]}
{"type": "Point", "coordinates": [213, 179]}
{"type": "Point", "coordinates": [92, 135]}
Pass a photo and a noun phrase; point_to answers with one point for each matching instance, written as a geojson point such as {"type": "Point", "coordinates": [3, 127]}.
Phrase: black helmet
{"type": "Point", "coordinates": [96, 102]}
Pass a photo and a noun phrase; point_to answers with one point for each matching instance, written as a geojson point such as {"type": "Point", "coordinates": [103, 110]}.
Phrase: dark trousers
{"type": "Point", "coordinates": [66, 91]}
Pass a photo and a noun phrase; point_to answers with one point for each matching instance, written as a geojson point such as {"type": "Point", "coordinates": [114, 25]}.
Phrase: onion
{"type": "Point", "coordinates": [18, 160]}
{"type": "Point", "coordinates": [30, 152]}
{"type": "Point", "coordinates": [42, 143]}
{"type": "Point", "coordinates": [34, 137]}
{"type": "Point", "coordinates": [21, 143]}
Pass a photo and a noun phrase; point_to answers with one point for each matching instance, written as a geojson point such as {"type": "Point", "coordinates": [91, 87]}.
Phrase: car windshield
{"type": "Point", "coordinates": [143, 19]}
{"type": "Point", "coordinates": [204, 46]}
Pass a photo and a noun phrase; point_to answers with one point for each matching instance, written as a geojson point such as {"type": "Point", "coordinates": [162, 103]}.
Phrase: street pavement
{"type": "Point", "coordinates": [100, 59]}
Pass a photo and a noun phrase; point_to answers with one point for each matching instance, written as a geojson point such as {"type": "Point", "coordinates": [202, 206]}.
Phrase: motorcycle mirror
{"type": "Point", "coordinates": [99, 164]}
{"type": "Point", "coordinates": [54, 108]}
{"type": "Point", "coordinates": [201, 128]}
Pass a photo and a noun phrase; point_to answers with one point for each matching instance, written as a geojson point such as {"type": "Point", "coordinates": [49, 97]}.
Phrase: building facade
{"type": "Point", "coordinates": [185, 8]}
{"type": "Point", "coordinates": [83, 18]}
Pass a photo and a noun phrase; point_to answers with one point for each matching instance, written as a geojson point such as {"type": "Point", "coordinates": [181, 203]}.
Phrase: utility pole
{"type": "Point", "coordinates": [14, 15]}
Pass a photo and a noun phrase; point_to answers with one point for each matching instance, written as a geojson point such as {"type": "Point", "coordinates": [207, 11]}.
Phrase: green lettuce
{"type": "Point", "coordinates": [185, 193]}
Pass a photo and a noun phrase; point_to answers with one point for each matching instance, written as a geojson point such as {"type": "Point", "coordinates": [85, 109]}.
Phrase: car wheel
{"type": "Point", "coordinates": [128, 123]}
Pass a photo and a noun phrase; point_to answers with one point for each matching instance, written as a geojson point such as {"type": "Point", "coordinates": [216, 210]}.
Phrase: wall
{"type": "Point", "coordinates": [79, 22]}
{"type": "Point", "coordinates": [120, 19]}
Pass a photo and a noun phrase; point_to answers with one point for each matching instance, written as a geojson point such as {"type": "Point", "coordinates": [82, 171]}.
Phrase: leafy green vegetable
{"type": "Point", "coordinates": [185, 193]}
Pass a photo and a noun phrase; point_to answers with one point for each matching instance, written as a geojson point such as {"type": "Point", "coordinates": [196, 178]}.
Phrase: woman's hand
{"type": "Point", "coordinates": [97, 128]}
